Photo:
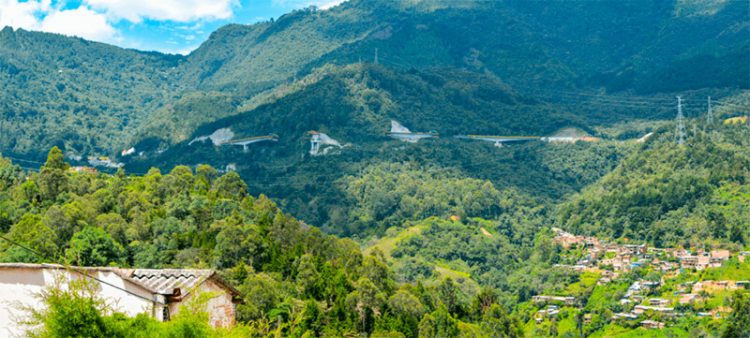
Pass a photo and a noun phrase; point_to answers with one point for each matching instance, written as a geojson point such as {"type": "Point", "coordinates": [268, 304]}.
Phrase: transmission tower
{"type": "Point", "coordinates": [376, 56]}
{"type": "Point", "coordinates": [710, 113]}
{"type": "Point", "coordinates": [679, 133]}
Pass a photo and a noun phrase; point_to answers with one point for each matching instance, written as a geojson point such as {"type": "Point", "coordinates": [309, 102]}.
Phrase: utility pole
{"type": "Point", "coordinates": [376, 56]}
{"type": "Point", "coordinates": [680, 129]}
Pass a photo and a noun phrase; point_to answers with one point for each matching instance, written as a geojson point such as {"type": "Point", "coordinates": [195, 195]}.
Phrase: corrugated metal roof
{"type": "Point", "coordinates": [158, 281]}
{"type": "Point", "coordinates": [165, 281]}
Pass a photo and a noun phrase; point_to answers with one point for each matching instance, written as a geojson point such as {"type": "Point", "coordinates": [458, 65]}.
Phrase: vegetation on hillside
{"type": "Point", "coordinates": [295, 280]}
{"type": "Point", "coordinates": [668, 194]}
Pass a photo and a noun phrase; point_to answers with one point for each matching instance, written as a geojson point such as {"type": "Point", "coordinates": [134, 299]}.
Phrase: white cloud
{"type": "Point", "coordinates": [322, 4]}
{"type": "Point", "coordinates": [21, 14]}
{"type": "Point", "coordinates": [160, 10]}
{"type": "Point", "coordinates": [42, 16]}
{"type": "Point", "coordinates": [81, 22]}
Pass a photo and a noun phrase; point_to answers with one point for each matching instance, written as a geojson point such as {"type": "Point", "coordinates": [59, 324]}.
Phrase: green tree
{"type": "Point", "coordinates": [230, 185]}
{"type": "Point", "coordinates": [448, 294]}
{"type": "Point", "coordinates": [93, 246]}
{"type": "Point", "coordinates": [74, 311]}
{"type": "Point", "coordinates": [307, 276]}
{"type": "Point", "coordinates": [33, 234]}
{"type": "Point", "coordinates": [440, 323]}
{"type": "Point", "coordinates": [367, 302]}
{"type": "Point", "coordinates": [737, 324]}
{"type": "Point", "coordinates": [497, 323]}
{"type": "Point", "coordinates": [52, 177]}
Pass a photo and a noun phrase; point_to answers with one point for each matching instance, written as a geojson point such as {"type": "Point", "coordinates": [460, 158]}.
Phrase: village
{"type": "Point", "coordinates": [674, 292]}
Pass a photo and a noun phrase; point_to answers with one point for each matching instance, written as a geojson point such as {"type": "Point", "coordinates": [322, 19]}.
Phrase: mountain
{"type": "Point", "coordinates": [669, 194]}
{"type": "Point", "coordinates": [553, 52]}
{"type": "Point", "coordinates": [355, 105]}
{"type": "Point", "coordinates": [86, 96]}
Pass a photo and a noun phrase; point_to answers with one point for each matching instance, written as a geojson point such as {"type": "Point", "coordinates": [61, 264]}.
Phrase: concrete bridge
{"type": "Point", "coordinates": [402, 133]}
{"type": "Point", "coordinates": [498, 140]}
{"type": "Point", "coordinates": [244, 142]}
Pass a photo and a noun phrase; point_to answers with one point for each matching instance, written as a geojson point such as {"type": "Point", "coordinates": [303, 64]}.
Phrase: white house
{"type": "Point", "coordinates": [158, 292]}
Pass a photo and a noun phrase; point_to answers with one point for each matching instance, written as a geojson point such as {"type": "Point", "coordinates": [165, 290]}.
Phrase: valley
{"type": "Point", "coordinates": [415, 168]}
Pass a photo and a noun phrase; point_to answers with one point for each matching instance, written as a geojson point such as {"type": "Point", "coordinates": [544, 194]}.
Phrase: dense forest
{"type": "Point", "coordinates": [450, 236]}
{"type": "Point", "coordinates": [93, 99]}
{"type": "Point", "coordinates": [458, 256]}
{"type": "Point", "coordinates": [313, 283]}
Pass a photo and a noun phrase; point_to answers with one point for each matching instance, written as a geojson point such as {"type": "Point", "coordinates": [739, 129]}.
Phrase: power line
{"type": "Point", "coordinates": [680, 129]}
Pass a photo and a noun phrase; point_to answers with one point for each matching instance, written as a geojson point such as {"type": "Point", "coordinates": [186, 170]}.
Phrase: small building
{"type": "Point", "coordinates": [550, 312]}
{"type": "Point", "coordinates": [640, 309]}
{"type": "Point", "coordinates": [660, 302]}
{"type": "Point", "coordinates": [651, 324]}
{"type": "Point", "coordinates": [157, 292]}
{"type": "Point", "coordinates": [625, 315]}
{"type": "Point", "coordinates": [554, 299]}
{"type": "Point", "coordinates": [687, 298]}
{"type": "Point", "coordinates": [718, 257]}
{"type": "Point", "coordinates": [699, 262]}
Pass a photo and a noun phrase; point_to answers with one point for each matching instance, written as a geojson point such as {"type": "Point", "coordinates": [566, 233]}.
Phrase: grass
{"type": "Point", "coordinates": [730, 270]}
{"type": "Point", "coordinates": [617, 331]}
{"type": "Point", "coordinates": [387, 244]}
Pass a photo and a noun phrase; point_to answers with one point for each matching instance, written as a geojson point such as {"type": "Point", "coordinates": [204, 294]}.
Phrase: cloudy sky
{"type": "Point", "coordinates": [172, 26]}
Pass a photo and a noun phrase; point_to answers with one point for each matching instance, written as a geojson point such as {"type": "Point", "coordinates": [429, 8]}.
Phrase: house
{"type": "Point", "coordinates": [639, 309]}
{"type": "Point", "coordinates": [699, 262]}
{"type": "Point", "coordinates": [550, 312]}
{"type": "Point", "coordinates": [549, 299]}
{"type": "Point", "coordinates": [687, 298]}
{"type": "Point", "coordinates": [625, 315]}
{"type": "Point", "coordinates": [660, 302]}
{"type": "Point", "coordinates": [715, 286]}
{"type": "Point", "coordinates": [719, 256]}
{"type": "Point", "coordinates": [650, 324]}
{"type": "Point", "coordinates": [158, 292]}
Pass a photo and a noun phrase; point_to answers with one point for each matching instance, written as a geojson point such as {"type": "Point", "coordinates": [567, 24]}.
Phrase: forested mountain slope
{"type": "Point", "coordinates": [88, 96]}
{"type": "Point", "coordinates": [355, 105]}
{"type": "Point", "coordinates": [537, 49]}
{"type": "Point", "coordinates": [295, 280]}
{"type": "Point", "coordinates": [668, 194]}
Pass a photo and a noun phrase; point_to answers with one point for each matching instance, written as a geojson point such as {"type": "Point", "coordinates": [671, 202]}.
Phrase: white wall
{"type": "Point", "coordinates": [19, 287]}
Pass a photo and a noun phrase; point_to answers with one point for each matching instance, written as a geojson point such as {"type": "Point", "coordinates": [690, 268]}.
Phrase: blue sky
{"type": "Point", "coordinates": [171, 26]}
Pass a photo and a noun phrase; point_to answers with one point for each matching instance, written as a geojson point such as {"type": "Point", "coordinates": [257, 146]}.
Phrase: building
{"type": "Point", "coordinates": [640, 309]}
{"type": "Point", "coordinates": [715, 286]}
{"type": "Point", "coordinates": [555, 299]}
{"type": "Point", "coordinates": [743, 255]}
{"type": "Point", "coordinates": [625, 315]}
{"type": "Point", "coordinates": [687, 298]}
{"type": "Point", "coordinates": [719, 256]}
{"type": "Point", "coordinates": [660, 302]}
{"type": "Point", "coordinates": [650, 324]}
{"type": "Point", "coordinates": [699, 262]}
{"type": "Point", "coordinates": [158, 292]}
{"type": "Point", "coordinates": [550, 312]}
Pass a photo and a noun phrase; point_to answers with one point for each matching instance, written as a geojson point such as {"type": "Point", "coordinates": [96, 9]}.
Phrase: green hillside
{"type": "Point", "coordinates": [355, 104]}
{"type": "Point", "coordinates": [668, 194]}
{"type": "Point", "coordinates": [94, 99]}
{"type": "Point", "coordinates": [80, 95]}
